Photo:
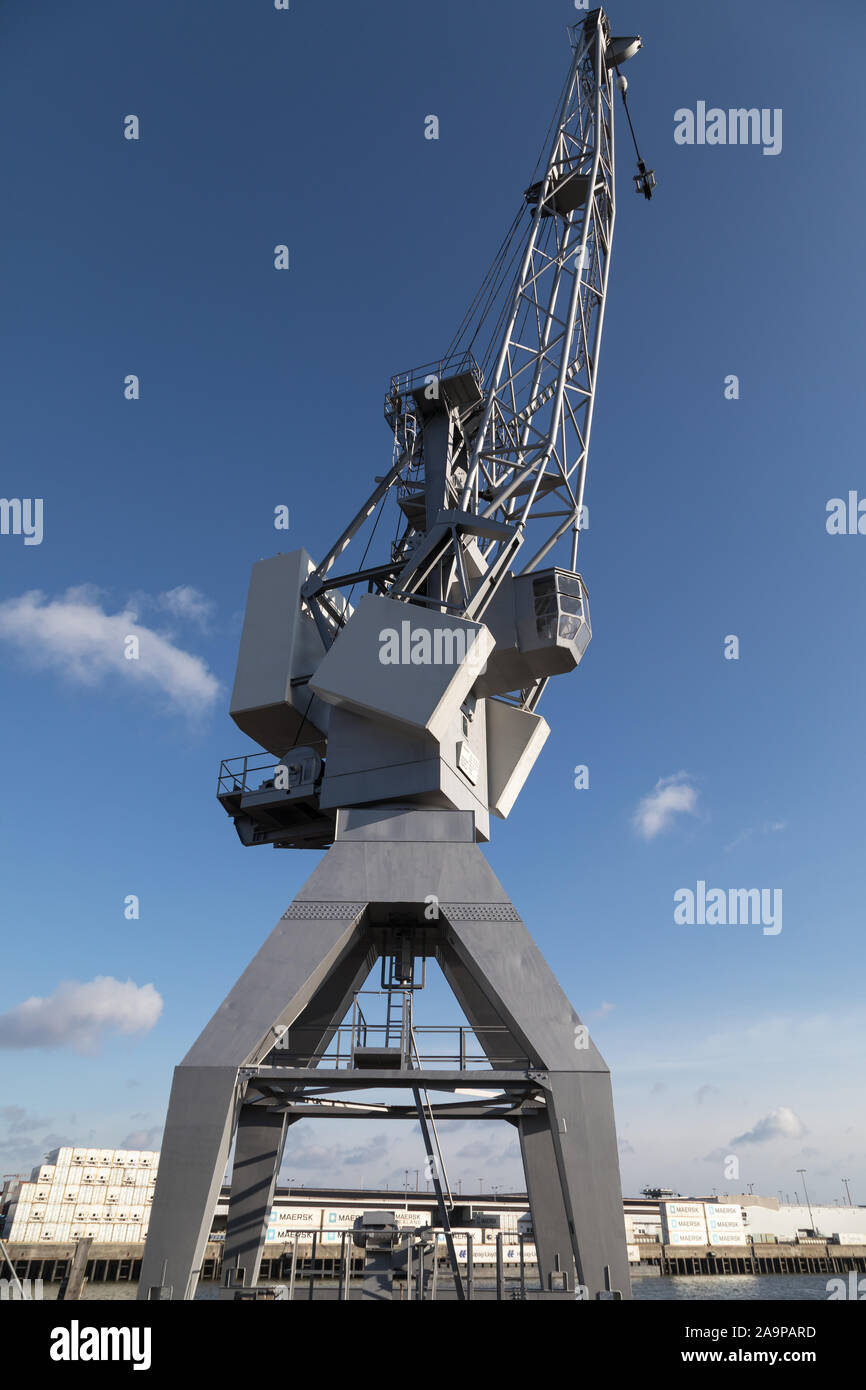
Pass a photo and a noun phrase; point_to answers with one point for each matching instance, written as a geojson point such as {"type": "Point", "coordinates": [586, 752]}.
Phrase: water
{"type": "Point", "coordinates": [804, 1288]}
{"type": "Point", "coordinates": [792, 1288]}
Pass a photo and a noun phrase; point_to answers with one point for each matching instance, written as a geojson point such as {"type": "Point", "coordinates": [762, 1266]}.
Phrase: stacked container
{"type": "Point", "coordinates": [104, 1194]}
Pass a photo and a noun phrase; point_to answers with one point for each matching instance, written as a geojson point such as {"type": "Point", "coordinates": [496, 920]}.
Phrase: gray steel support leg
{"type": "Point", "coordinates": [192, 1161]}
{"type": "Point", "coordinates": [497, 950]}
{"type": "Point", "coordinates": [258, 1154]}
{"type": "Point", "coordinates": [307, 945]}
{"type": "Point", "coordinates": [552, 1233]}
{"type": "Point", "coordinates": [584, 1136]}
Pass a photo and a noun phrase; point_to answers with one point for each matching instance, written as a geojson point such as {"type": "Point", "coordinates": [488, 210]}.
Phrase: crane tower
{"type": "Point", "coordinates": [394, 692]}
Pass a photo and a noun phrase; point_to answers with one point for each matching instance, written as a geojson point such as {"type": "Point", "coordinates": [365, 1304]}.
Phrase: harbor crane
{"type": "Point", "coordinates": [393, 688]}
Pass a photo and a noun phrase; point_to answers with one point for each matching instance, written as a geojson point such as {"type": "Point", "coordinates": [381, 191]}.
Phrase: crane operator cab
{"type": "Point", "coordinates": [541, 625]}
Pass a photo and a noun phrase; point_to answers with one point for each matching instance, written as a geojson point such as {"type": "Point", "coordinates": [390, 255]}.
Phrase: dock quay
{"type": "Point", "coordinates": [122, 1263]}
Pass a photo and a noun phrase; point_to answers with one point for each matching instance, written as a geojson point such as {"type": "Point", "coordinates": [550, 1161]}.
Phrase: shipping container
{"type": "Point", "coordinates": [44, 1174]}
{"type": "Point", "coordinates": [79, 1156]}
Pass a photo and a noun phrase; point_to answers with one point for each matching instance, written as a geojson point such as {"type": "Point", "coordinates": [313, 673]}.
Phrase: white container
{"type": "Point", "coordinates": [79, 1157]}
{"type": "Point", "coordinates": [91, 1230]}
{"type": "Point", "coordinates": [44, 1174]}
{"type": "Point", "coordinates": [38, 1211]}
{"type": "Point", "coordinates": [115, 1195]}
{"type": "Point", "coordinates": [80, 1213]}
{"type": "Point", "coordinates": [88, 1177]}
{"type": "Point", "coordinates": [70, 1192]}
{"type": "Point", "coordinates": [93, 1157]}
{"type": "Point", "coordinates": [42, 1192]}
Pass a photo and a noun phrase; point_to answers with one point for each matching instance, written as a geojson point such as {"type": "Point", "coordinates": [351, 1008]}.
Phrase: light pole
{"type": "Point", "coordinates": [802, 1172]}
{"type": "Point", "coordinates": [848, 1191]}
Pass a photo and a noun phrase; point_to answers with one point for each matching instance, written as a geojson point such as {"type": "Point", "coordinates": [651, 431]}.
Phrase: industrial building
{"type": "Point", "coordinates": [105, 1195]}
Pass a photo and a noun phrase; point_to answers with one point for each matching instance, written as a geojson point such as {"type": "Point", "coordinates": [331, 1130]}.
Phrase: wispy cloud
{"type": "Point", "coordinates": [188, 604]}
{"type": "Point", "coordinates": [147, 1139]}
{"type": "Point", "coordinates": [76, 636]}
{"type": "Point", "coordinates": [78, 1014]}
{"type": "Point", "coordinates": [670, 797]}
{"type": "Point", "coordinates": [603, 1010]}
{"type": "Point", "coordinates": [768, 828]}
{"type": "Point", "coordinates": [704, 1092]}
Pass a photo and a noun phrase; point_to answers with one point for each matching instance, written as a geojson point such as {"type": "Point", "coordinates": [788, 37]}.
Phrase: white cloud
{"type": "Point", "coordinates": [781, 1123]}
{"type": "Point", "coordinates": [188, 603]}
{"type": "Point", "coordinates": [671, 796]}
{"type": "Point", "coordinates": [75, 635]}
{"type": "Point", "coordinates": [77, 1014]}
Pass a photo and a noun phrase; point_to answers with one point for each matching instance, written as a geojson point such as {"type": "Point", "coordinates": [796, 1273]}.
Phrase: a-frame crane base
{"type": "Point", "coordinates": [407, 882]}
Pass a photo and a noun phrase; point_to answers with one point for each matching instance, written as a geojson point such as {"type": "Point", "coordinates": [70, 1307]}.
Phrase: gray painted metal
{"type": "Point", "coordinates": [467, 474]}
{"type": "Point", "coordinates": [308, 969]}
{"type": "Point", "coordinates": [258, 1154]}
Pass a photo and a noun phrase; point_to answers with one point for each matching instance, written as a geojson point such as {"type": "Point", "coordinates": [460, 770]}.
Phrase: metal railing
{"type": "Point", "coordinates": [310, 1266]}
{"type": "Point", "coordinates": [465, 1052]}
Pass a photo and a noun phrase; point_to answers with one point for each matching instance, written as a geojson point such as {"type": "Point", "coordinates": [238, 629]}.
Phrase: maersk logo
{"type": "Point", "coordinates": [720, 907]}
{"type": "Point", "coordinates": [77, 1343]}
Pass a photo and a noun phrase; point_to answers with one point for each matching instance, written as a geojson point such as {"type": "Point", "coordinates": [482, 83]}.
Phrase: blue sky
{"type": "Point", "coordinates": [260, 388]}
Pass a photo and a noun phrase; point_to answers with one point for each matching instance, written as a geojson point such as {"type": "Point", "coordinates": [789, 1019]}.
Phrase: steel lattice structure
{"type": "Point", "coordinates": [518, 443]}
